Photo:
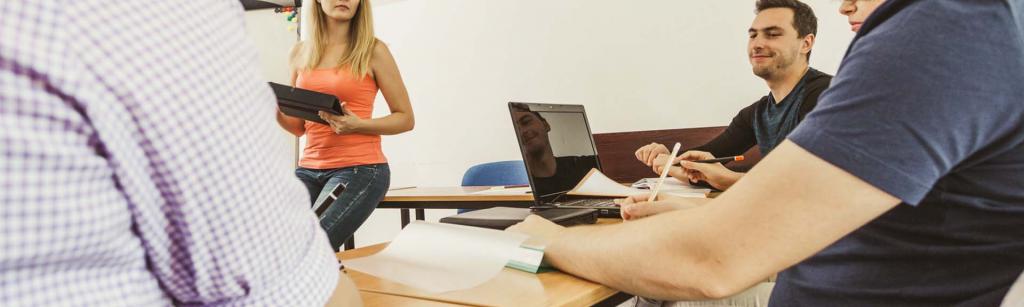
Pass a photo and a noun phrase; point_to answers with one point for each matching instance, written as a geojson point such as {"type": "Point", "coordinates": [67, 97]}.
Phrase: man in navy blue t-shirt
{"type": "Point", "coordinates": [927, 108]}
{"type": "Point", "coordinates": [905, 187]}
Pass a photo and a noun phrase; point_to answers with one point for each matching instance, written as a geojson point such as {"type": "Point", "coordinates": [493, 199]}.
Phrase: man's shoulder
{"type": "Point", "coordinates": [760, 101]}
{"type": "Point", "coordinates": [928, 17]}
{"type": "Point", "coordinates": [748, 111]}
{"type": "Point", "coordinates": [818, 80]}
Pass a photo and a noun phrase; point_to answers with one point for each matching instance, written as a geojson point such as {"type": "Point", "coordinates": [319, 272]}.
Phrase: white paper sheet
{"type": "Point", "coordinates": [1016, 295]}
{"type": "Point", "coordinates": [441, 257]}
{"type": "Point", "coordinates": [597, 184]}
{"type": "Point", "coordinates": [670, 184]}
{"type": "Point", "coordinates": [504, 191]}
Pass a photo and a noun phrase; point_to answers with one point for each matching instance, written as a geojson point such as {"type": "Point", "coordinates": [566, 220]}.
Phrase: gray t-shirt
{"type": "Point", "coordinates": [927, 106]}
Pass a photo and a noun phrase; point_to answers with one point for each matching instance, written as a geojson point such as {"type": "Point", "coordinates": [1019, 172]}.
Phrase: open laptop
{"type": "Point", "coordinates": [558, 150]}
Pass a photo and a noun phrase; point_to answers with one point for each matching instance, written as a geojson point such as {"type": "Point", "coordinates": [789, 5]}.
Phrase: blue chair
{"type": "Point", "coordinates": [495, 174]}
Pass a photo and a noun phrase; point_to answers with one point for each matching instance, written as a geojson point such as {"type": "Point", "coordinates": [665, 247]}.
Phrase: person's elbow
{"type": "Point", "coordinates": [717, 289]}
{"type": "Point", "coordinates": [408, 123]}
{"type": "Point", "coordinates": [683, 289]}
{"type": "Point", "coordinates": [296, 130]}
{"type": "Point", "coordinates": [701, 282]}
{"type": "Point", "coordinates": [296, 127]}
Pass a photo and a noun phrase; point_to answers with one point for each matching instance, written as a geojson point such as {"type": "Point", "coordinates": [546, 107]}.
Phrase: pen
{"type": "Point", "coordinates": [719, 160]}
{"type": "Point", "coordinates": [664, 172]}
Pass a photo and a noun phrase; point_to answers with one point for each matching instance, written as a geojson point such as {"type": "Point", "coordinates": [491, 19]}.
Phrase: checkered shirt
{"type": "Point", "coordinates": [133, 167]}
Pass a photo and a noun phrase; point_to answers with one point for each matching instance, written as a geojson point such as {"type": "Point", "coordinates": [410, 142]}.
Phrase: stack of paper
{"type": "Point", "coordinates": [670, 184]}
{"type": "Point", "coordinates": [597, 184]}
{"type": "Point", "coordinates": [504, 191]}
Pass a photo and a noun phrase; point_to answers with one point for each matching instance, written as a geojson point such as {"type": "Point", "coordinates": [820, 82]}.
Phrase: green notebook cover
{"type": "Point", "coordinates": [529, 258]}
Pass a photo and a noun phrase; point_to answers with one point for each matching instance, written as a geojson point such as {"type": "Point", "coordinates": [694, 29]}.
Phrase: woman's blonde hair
{"type": "Point", "coordinates": [361, 40]}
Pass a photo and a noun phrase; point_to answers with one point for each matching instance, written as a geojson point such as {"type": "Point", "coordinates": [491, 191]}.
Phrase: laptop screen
{"type": "Point", "coordinates": [556, 144]}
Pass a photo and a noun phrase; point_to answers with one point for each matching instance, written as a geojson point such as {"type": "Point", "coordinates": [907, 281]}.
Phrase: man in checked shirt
{"type": "Point", "coordinates": [132, 167]}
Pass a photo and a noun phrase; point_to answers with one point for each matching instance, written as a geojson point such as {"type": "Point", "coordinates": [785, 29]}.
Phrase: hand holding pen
{"type": "Point", "coordinates": [664, 172]}
{"type": "Point", "coordinates": [637, 206]}
{"type": "Point", "coordinates": [703, 166]}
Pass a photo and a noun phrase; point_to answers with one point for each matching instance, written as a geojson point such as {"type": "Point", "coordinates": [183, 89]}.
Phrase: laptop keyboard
{"type": "Point", "coordinates": [593, 203]}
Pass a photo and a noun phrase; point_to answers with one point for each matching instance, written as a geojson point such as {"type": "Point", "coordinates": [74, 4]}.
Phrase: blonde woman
{"type": "Point", "coordinates": [344, 58]}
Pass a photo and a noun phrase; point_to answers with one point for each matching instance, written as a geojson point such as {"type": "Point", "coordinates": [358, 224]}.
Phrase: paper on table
{"type": "Point", "coordinates": [669, 184]}
{"type": "Point", "coordinates": [596, 183]}
{"type": "Point", "coordinates": [441, 257]}
{"type": "Point", "coordinates": [1016, 295]}
{"type": "Point", "coordinates": [504, 191]}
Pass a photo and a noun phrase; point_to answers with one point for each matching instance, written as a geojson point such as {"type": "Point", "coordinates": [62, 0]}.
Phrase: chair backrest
{"type": "Point", "coordinates": [618, 162]}
{"type": "Point", "coordinates": [496, 173]}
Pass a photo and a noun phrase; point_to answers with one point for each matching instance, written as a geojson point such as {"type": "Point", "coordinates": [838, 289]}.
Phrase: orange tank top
{"type": "Point", "coordinates": [326, 150]}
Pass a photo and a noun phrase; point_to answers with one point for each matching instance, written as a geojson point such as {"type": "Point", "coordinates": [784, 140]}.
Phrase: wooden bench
{"type": "Point", "coordinates": [616, 150]}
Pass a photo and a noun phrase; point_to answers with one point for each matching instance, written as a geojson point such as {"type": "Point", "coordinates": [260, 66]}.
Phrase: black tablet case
{"type": "Point", "coordinates": [305, 104]}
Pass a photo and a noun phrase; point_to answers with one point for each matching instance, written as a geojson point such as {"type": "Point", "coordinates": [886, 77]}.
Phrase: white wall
{"type": "Point", "coordinates": [656, 65]}
{"type": "Point", "coordinates": [635, 65]}
{"type": "Point", "coordinates": [273, 36]}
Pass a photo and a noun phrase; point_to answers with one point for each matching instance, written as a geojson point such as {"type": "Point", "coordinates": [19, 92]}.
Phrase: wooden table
{"type": "Point", "coordinates": [421, 198]}
{"type": "Point", "coordinates": [509, 288]}
{"type": "Point", "coordinates": [380, 299]}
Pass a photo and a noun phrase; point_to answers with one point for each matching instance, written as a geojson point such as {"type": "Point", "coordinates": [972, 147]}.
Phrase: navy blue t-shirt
{"type": "Point", "coordinates": [928, 106]}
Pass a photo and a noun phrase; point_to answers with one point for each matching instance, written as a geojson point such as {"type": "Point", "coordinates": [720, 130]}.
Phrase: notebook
{"type": "Point", "coordinates": [558, 150]}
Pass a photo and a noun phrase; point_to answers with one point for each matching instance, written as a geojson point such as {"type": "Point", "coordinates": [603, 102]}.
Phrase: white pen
{"type": "Point", "coordinates": [664, 172]}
